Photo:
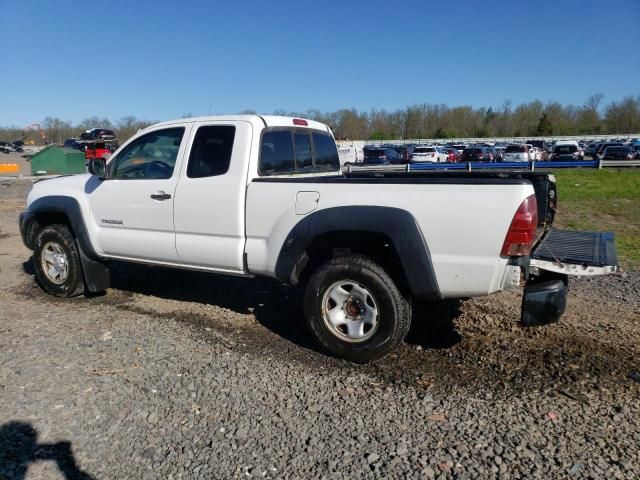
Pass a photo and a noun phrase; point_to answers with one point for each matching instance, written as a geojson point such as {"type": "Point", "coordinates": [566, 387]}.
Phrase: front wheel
{"type": "Point", "coordinates": [355, 310]}
{"type": "Point", "coordinates": [57, 262]}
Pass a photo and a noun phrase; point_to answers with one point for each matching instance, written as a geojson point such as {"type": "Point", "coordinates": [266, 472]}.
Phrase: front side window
{"type": "Point", "coordinates": [152, 156]}
{"type": "Point", "coordinates": [211, 151]}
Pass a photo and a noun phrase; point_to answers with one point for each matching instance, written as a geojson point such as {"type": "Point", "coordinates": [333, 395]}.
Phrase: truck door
{"type": "Point", "coordinates": [210, 196]}
{"type": "Point", "coordinates": [133, 209]}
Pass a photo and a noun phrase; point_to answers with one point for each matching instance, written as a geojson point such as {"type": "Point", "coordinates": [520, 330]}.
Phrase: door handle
{"type": "Point", "coordinates": [160, 195]}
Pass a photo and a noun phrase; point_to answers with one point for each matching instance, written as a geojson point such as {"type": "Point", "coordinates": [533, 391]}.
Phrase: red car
{"type": "Point", "coordinates": [453, 155]}
{"type": "Point", "coordinates": [99, 149]}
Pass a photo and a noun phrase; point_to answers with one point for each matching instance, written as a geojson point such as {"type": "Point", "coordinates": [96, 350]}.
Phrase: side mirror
{"type": "Point", "coordinates": [98, 167]}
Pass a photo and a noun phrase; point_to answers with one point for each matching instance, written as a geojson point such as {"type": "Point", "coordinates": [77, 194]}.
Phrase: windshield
{"type": "Point", "coordinates": [424, 150]}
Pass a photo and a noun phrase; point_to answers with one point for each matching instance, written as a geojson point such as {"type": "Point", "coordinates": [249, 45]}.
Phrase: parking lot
{"type": "Point", "coordinates": [184, 375]}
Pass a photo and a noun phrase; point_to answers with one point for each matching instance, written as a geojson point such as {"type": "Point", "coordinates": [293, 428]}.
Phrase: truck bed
{"type": "Point", "coordinates": [543, 183]}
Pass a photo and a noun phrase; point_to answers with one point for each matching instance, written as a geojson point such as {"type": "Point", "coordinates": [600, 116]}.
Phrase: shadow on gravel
{"type": "Point", "coordinates": [275, 306]}
{"type": "Point", "coordinates": [19, 449]}
{"type": "Point", "coordinates": [432, 325]}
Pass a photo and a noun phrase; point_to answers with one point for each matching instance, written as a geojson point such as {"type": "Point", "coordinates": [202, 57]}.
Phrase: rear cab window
{"type": "Point", "coordinates": [286, 151]}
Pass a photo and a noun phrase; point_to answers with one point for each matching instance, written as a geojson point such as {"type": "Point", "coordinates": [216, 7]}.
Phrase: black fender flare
{"type": "Point", "coordinates": [397, 224]}
{"type": "Point", "coordinates": [96, 274]}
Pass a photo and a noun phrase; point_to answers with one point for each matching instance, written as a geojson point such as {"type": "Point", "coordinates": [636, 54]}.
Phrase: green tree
{"type": "Point", "coordinates": [544, 128]}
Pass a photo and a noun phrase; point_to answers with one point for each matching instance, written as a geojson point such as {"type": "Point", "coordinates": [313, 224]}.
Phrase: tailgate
{"type": "Point", "coordinates": [576, 253]}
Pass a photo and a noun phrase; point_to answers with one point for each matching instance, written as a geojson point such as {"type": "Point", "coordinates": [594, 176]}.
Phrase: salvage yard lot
{"type": "Point", "coordinates": [183, 375]}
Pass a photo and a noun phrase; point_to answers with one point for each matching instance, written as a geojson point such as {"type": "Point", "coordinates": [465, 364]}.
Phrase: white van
{"type": "Point", "coordinates": [350, 154]}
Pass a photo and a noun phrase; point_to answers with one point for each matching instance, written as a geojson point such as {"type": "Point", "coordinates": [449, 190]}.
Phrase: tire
{"type": "Point", "coordinates": [373, 318]}
{"type": "Point", "coordinates": [57, 262]}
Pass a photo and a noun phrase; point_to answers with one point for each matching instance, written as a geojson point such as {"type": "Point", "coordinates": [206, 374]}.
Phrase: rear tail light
{"type": "Point", "coordinates": [522, 231]}
{"type": "Point", "coordinates": [301, 122]}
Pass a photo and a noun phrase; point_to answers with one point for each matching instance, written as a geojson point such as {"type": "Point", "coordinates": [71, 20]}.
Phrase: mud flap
{"type": "Point", "coordinates": [97, 277]}
{"type": "Point", "coordinates": [543, 303]}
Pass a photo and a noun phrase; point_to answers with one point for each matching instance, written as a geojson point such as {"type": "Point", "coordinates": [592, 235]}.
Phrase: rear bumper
{"type": "Point", "coordinates": [543, 303]}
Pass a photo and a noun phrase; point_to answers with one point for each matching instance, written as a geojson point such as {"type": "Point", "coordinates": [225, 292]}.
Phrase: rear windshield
{"type": "Point", "coordinates": [565, 149]}
{"type": "Point", "coordinates": [472, 150]}
{"type": "Point", "coordinates": [374, 153]}
{"type": "Point", "coordinates": [515, 149]}
{"type": "Point", "coordinates": [424, 150]}
{"type": "Point", "coordinates": [297, 151]}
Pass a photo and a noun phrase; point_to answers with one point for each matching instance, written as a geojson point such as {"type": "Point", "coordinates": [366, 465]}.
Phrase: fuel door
{"type": "Point", "coordinates": [306, 202]}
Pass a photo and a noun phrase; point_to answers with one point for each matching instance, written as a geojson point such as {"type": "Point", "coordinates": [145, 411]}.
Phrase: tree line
{"type": "Point", "coordinates": [56, 130]}
{"type": "Point", "coordinates": [534, 118]}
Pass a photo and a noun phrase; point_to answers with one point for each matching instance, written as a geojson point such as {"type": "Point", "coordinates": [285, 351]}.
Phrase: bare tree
{"type": "Point", "coordinates": [593, 102]}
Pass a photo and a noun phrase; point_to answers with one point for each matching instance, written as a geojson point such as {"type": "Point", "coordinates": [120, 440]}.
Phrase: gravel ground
{"type": "Point", "coordinates": [183, 375]}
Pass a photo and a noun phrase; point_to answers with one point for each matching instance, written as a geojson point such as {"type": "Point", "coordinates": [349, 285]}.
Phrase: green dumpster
{"type": "Point", "coordinates": [54, 160]}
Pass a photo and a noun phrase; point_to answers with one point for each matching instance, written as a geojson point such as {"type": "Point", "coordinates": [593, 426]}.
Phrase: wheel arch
{"type": "Point", "coordinates": [390, 235]}
{"type": "Point", "coordinates": [66, 210]}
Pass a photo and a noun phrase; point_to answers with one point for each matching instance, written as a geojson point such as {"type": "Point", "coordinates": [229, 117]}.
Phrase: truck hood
{"type": "Point", "coordinates": [69, 185]}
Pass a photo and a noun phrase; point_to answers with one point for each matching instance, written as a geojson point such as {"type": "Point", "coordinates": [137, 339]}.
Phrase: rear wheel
{"type": "Point", "coordinates": [355, 310]}
{"type": "Point", "coordinates": [57, 262]}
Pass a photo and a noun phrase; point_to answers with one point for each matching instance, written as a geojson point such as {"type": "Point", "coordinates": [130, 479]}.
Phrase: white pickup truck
{"type": "Point", "coordinates": [264, 195]}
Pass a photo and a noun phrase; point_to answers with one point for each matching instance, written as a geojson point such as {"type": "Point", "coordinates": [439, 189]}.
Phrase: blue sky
{"type": "Point", "coordinates": [160, 59]}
